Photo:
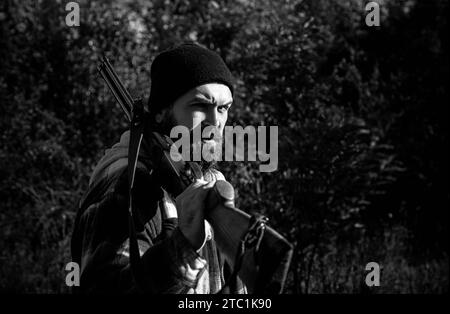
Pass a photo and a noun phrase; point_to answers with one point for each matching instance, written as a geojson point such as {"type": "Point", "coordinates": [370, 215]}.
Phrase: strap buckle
{"type": "Point", "coordinates": [255, 232]}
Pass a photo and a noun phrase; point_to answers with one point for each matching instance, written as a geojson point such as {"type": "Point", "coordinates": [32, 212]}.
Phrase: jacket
{"type": "Point", "coordinates": [169, 263]}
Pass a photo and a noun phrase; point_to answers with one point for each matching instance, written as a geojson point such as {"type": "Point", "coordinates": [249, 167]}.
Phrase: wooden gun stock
{"type": "Point", "coordinates": [230, 225]}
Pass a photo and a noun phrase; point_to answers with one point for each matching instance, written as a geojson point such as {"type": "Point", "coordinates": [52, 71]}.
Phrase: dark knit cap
{"type": "Point", "coordinates": [176, 71]}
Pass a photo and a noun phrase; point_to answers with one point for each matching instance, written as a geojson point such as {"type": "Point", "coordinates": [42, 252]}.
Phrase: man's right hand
{"type": "Point", "coordinates": [191, 207]}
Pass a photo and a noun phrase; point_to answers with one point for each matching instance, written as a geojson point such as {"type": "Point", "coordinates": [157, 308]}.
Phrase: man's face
{"type": "Point", "coordinates": [203, 106]}
{"type": "Point", "coordinates": [207, 104]}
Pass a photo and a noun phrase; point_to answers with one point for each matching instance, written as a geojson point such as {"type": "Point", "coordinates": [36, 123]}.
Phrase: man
{"type": "Point", "coordinates": [191, 87]}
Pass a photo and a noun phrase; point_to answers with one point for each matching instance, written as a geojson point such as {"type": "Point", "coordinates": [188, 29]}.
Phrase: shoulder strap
{"type": "Point", "coordinates": [136, 135]}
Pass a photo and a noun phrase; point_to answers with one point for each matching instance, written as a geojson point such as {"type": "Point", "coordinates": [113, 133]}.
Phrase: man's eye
{"type": "Point", "coordinates": [222, 108]}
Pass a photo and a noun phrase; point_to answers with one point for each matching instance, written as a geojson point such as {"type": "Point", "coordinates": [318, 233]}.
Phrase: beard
{"type": "Point", "coordinates": [210, 149]}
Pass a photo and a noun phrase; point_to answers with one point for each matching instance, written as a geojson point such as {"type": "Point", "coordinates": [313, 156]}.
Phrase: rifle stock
{"type": "Point", "coordinates": [230, 225]}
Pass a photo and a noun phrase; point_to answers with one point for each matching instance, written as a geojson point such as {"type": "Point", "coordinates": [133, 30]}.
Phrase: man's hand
{"type": "Point", "coordinates": [191, 207]}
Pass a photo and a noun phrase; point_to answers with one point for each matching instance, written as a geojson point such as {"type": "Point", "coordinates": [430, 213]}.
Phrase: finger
{"type": "Point", "coordinates": [209, 185]}
{"type": "Point", "coordinates": [199, 182]}
{"type": "Point", "coordinates": [194, 185]}
{"type": "Point", "coordinates": [205, 188]}
{"type": "Point", "coordinates": [200, 185]}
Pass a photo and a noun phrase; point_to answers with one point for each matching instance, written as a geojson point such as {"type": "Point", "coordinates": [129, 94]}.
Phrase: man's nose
{"type": "Point", "coordinates": [211, 117]}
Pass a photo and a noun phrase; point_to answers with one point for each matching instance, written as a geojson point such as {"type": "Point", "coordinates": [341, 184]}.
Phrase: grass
{"type": "Point", "coordinates": [333, 266]}
{"type": "Point", "coordinates": [339, 267]}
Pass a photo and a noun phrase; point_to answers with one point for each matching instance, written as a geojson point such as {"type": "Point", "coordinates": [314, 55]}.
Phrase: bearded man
{"type": "Point", "coordinates": [191, 87]}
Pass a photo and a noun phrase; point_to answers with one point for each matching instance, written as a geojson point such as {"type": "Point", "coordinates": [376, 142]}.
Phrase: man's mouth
{"type": "Point", "coordinates": [208, 138]}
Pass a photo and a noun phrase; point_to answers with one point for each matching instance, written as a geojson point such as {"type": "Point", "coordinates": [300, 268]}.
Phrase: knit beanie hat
{"type": "Point", "coordinates": [176, 71]}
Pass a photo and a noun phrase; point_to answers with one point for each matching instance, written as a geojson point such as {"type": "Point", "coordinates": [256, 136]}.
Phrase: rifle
{"type": "Point", "coordinates": [256, 253]}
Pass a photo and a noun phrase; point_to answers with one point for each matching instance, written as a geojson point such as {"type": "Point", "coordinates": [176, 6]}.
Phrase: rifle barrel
{"type": "Point", "coordinates": [116, 86]}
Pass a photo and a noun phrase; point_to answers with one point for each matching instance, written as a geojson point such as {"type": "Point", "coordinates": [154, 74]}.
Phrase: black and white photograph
{"type": "Point", "coordinates": [251, 148]}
